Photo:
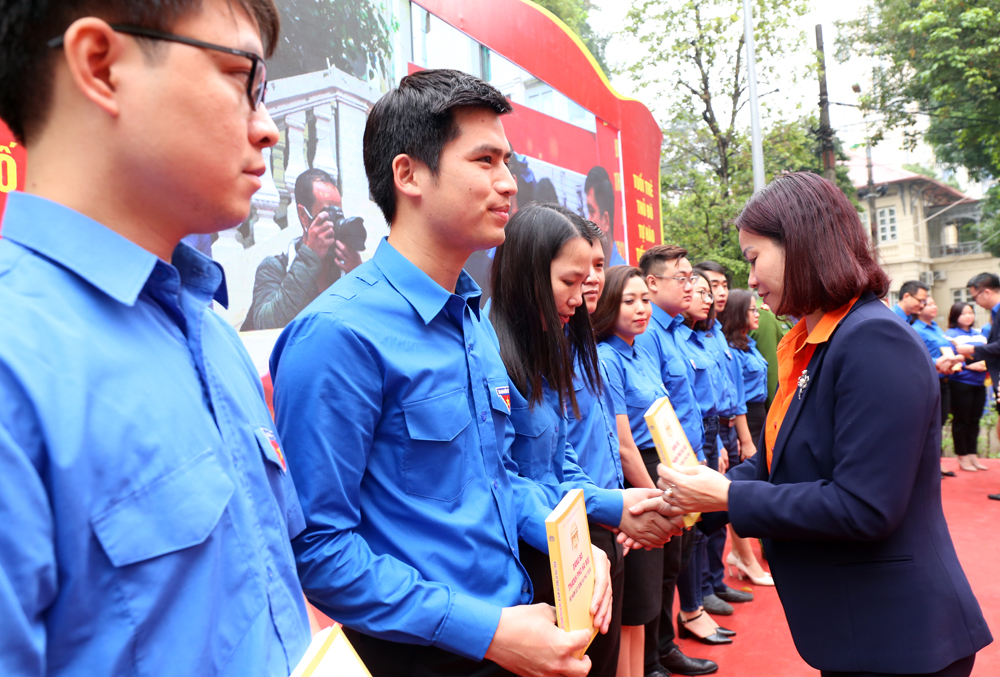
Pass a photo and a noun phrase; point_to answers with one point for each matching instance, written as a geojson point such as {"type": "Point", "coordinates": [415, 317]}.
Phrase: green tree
{"type": "Point", "coordinates": [698, 214]}
{"type": "Point", "coordinates": [350, 35]}
{"type": "Point", "coordinates": [944, 57]}
{"type": "Point", "coordinates": [575, 14]}
{"type": "Point", "coordinates": [695, 75]}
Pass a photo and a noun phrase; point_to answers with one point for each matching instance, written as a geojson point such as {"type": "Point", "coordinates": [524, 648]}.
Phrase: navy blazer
{"type": "Point", "coordinates": [851, 508]}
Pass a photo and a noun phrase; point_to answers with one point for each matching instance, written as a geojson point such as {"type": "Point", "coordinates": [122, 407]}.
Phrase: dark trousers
{"type": "Point", "coordinates": [603, 651]}
{"type": "Point", "coordinates": [756, 418]}
{"type": "Point", "coordinates": [392, 659]}
{"type": "Point", "coordinates": [660, 631]}
{"type": "Point", "coordinates": [712, 579]}
{"type": "Point", "coordinates": [945, 399]}
{"type": "Point", "coordinates": [967, 402]}
{"type": "Point", "coordinates": [960, 668]}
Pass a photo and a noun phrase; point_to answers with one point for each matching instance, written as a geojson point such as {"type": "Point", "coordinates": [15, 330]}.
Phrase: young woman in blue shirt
{"type": "Point", "coordinates": [968, 389]}
{"type": "Point", "coordinates": [546, 340]}
{"type": "Point", "coordinates": [740, 317]}
{"type": "Point", "coordinates": [634, 385]}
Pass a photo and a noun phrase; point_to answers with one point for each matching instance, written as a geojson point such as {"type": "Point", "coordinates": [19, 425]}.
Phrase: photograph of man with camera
{"type": "Point", "coordinates": [330, 246]}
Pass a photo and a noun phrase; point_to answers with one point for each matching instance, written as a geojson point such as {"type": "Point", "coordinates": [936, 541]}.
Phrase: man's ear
{"type": "Point", "coordinates": [303, 216]}
{"type": "Point", "coordinates": [92, 48]}
{"type": "Point", "coordinates": [651, 282]}
{"type": "Point", "coordinates": [407, 174]}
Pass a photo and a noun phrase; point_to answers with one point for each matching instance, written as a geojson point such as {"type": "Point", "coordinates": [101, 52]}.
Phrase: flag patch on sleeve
{"type": "Point", "coordinates": [504, 393]}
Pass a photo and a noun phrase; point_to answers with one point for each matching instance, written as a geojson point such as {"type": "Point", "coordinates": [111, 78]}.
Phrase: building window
{"type": "Point", "coordinates": [961, 295]}
{"type": "Point", "coordinates": [887, 225]}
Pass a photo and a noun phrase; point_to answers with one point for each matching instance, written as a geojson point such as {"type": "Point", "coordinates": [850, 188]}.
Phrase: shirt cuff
{"type": "Point", "coordinates": [604, 506]}
{"type": "Point", "coordinates": [469, 627]}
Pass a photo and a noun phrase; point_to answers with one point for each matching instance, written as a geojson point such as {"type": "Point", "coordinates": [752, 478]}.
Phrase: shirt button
{"type": "Point", "coordinates": [483, 416]}
{"type": "Point", "coordinates": [270, 573]}
{"type": "Point", "coordinates": [496, 485]}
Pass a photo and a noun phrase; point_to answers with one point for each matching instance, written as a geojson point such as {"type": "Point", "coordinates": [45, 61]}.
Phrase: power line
{"type": "Point", "coordinates": [918, 112]}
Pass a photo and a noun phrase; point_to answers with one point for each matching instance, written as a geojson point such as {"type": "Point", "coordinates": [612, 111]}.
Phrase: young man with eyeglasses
{"type": "Point", "coordinates": [148, 503]}
{"type": "Point", "coordinates": [912, 297]}
{"type": "Point", "coordinates": [668, 271]}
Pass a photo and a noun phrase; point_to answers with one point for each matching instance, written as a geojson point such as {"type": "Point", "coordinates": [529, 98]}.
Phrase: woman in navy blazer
{"type": "Point", "coordinates": [849, 505]}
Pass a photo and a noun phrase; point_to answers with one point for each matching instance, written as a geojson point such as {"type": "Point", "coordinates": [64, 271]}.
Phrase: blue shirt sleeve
{"type": "Point", "coordinates": [616, 385]}
{"type": "Point", "coordinates": [337, 567]}
{"type": "Point", "coordinates": [28, 580]}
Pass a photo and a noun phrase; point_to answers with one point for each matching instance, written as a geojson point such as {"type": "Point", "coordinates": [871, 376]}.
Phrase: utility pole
{"type": "Point", "coordinates": [871, 195]}
{"type": "Point", "coordinates": [825, 133]}
{"type": "Point", "coordinates": [756, 143]}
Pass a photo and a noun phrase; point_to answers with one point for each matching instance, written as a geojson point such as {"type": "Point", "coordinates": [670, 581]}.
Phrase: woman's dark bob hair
{"type": "Point", "coordinates": [828, 253]}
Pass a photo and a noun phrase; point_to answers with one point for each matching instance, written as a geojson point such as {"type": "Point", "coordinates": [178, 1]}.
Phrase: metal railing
{"type": "Point", "coordinates": [960, 249]}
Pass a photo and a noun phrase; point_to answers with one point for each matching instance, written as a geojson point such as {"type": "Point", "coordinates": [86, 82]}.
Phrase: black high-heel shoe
{"type": "Point", "coordinates": [725, 632]}
{"type": "Point", "coordinates": [714, 638]}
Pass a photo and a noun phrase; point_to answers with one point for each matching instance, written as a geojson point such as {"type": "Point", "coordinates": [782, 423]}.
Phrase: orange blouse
{"type": "Point", "coordinates": [794, 352]}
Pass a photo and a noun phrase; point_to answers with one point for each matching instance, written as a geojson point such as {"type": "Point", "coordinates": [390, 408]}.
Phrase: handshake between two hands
{"type": "Point", "coordinates": [655, 515]}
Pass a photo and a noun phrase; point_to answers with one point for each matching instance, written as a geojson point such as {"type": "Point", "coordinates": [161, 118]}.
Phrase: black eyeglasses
{"type": "Point", "coordinates": [256, 83]}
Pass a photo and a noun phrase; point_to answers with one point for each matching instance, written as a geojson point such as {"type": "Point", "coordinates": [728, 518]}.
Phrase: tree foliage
{"type": "Point", "coordinates": [575, 14]}
{"type": "Point", "coordinates": [695, 77]}
{"type": "Point", "coordinates": [698, 215]}
{"type": "Point", "coordinates": [350, 35]}
{"type": "Point", "coordinates": [940, 57]}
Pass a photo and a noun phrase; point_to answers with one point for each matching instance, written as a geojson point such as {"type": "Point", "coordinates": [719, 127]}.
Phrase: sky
{"type": "Point", "coordinates": [847, 122]}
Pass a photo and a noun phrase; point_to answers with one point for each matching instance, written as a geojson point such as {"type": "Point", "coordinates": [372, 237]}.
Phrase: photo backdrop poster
{"type": "Point", "coordinates": [569, 131]}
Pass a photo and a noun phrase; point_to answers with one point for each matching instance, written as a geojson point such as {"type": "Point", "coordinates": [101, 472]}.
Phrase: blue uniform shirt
{"type": "Point", "coordinates": [706, 371]}
{"type": "Point", "coordinates": [147, 513]}
{"type": "Point", "coordinates": [634, 384]}
{"type": "Point", "coordinates": [975, 338]}
{"type": "Point", "coordinates": [732, 397]}
{"type": "Point", "coordinates": [754, 369]}
{"type": "Point", "coordinates": [899, 311]}
{"type": "Point", "coordinates": [933, 338]}
{"type": "Point", "coordinates": [393, 404]}
{"type": "Point", "coordinates": [594, 435]}
{"type": "Point", "coordinates": [543, 455]}
{"type": "Point", "coordinates": [660, 340]}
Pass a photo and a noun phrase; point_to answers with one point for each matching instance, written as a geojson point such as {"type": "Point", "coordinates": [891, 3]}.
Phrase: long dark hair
{"type": "Point", "coordinates": [533, 344]}
{"type": "Point", "coordinates": [708, 322]}
{"type": "Point", "coordinates": [956, 310]}
{"type": "Point", "coordinates": [735, 319]}
{"type": "Point", "coordinates": [829, 258]}
{"type": "Point", "coordinates": [609, 306]}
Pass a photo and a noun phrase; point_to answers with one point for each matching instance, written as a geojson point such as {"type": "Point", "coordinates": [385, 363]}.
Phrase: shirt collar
{"type": "Point", "coordinates": [823, 330]}
{"type": "Point", "coordinates": [112, 263]}
{"type": "Point", "coordinates": [995, 309]}
{"type": "Point", "coordinates": [621, 346]}
{"type": "Point", "coordinates": [426, 296]}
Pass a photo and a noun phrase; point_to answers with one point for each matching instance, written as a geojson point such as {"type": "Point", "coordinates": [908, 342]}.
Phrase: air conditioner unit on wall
{"type": "Point", "coordinates": [940, 275]}
{"type": "Point", "coordinates": [927, 277]}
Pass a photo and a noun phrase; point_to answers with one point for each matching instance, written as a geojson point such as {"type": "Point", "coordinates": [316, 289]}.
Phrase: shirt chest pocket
{"type": "Point", "coordinates": [532, 448]}
{"type": "Point", "coordinates": [434, 460]}
{"type": "Point", "coordinates": [174, 547]}
{"type": "Point", "coordinates": [676, 368]}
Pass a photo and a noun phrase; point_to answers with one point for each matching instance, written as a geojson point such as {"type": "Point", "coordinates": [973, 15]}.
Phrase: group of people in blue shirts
{"type": "Point", "coordinates": [962, 382]}
{"type": "Point", "coordinates": [160, 522]}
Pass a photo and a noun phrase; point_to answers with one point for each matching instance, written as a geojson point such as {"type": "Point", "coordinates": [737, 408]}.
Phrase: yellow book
{"type": "Point", "coordinates": [572, 563]}
{"type": "Point", "coordinates": [672, 444]}
{"type": "Point", "coordinates": [330, 654]}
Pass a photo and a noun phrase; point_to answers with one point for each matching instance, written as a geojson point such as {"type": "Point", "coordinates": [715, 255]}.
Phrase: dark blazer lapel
{"type": "Point", "coordinates": [799, 398]}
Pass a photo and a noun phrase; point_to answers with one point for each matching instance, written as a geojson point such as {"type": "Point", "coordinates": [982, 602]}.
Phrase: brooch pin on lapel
{"type": "Point", "coordinates": [803, 381]}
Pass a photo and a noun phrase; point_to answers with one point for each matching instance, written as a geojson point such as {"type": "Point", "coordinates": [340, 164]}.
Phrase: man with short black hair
{"type": "Point", "coordinates": [392, 399]}
{"type": "Point", "coordinates": [146, 500]}
{"type": "Point", "coordinates": [984, 289]}
{"type": "Point", "coordinates": [601, 210]}
{"type": "Point", "coordinates": [668, 274]}
{"type": "Point", "coordinates": [288, 282]}
{"type": "Point", "coordinates": [912, 297]}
